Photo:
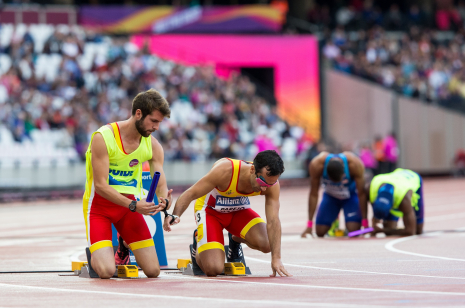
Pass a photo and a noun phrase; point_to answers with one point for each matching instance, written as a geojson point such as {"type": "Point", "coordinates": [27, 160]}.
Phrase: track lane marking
{"type": "Point", "coordinates": [171, 297]}
{"type": "Point", "coordinates": [390, 246]}
{"type": "Point", "coordinates": [356, 271]}
{"type": "Point", "coordinates": [329, 287]}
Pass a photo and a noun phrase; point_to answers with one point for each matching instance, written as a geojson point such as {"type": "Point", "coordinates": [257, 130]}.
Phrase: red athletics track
{"type": "Point", "coordinates": [425, 271]}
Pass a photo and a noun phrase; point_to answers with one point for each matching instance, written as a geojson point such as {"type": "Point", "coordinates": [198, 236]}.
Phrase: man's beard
{"type": "Point", "coordinates": [140, 128]}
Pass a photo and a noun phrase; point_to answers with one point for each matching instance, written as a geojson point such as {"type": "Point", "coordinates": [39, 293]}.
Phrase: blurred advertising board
{"type": "Point", "coordinates": [195, 19]}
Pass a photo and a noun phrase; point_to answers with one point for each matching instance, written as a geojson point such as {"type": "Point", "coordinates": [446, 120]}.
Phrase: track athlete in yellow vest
{"type": "Point", "coordinates": [114, 176]}
{"type": "Point", "coordinates": [395, 195]}
{"type": "Point", "coordinates": [223, 203]}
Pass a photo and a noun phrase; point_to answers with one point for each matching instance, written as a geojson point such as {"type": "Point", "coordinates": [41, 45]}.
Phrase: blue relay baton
{"type": "Point", "coordinates": [151, 194]}
{"type": "Point", "coordinates": [153, 186]}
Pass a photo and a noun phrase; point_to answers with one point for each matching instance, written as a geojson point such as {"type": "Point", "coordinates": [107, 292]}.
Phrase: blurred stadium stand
{"type": "Point", "coordinates": [59, 82]}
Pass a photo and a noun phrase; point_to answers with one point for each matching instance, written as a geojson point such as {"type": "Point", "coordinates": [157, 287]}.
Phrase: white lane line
{"type": "Point", "coordinates": [355, 271]}
{"type": "Point", "coordinates": [170, 297]}
{"type": "Point", "coordinates": [76, 256]}
{"type": "Point", "coordinates": [390, 246]}
{"type": "Point", "coordinates": [309, 304]}
{"type": "Point", "coordinates": [330, 288]}
{"type": "Point", "coordinates": [414, 260]}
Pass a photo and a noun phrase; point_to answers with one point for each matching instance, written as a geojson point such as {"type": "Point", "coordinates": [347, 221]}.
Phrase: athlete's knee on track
{"type": "Point", "coordinates": [105, 271]}
{"type": "Point", "coordinates": [152, 272]}
{"type": "Point", "coordinates": [212, 270]}
{"type": "Point", "coordinates": [321, 230]}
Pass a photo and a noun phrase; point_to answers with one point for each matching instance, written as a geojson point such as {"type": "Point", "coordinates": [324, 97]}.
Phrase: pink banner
{"type": "Point", "coordinates": [294, 59]}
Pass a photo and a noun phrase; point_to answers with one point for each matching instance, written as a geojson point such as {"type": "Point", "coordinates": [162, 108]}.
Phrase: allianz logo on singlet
{"type": "Point", "coordinates": [220, 200]}
{"type": "Point", "coordinates": [231, 204]}
{"type": "Point", "coordinates": [121, 173]}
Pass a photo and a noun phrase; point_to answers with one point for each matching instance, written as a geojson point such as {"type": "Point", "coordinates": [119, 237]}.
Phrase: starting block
{"type": "Point", "coordinates": [230, 268]}
{"type": "Point", "coordinates": [86, 270]}
{"type": "Point", "coordinates": [128, 271]}
{"type": "Point", "coordinates": [77, 265]}
{"type": "Point", "coordinates": [247, 269]}
{"type": "Point", "coordinates": [234, 269]}
{"type": "Point", "coordinates": [182, 263]}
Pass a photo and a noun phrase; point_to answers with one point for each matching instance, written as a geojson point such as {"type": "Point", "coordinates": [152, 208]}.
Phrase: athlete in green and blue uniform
{"type": "Point", "coordinates": [395, 195]}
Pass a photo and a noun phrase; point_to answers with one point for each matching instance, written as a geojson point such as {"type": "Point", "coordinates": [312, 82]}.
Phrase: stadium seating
{"type": "Point", "coordinates": [59, 84]}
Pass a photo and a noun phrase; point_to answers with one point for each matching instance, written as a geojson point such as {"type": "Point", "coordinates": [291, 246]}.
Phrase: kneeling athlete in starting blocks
{"type": "Point", "coordinates": [223, 203]}
{"type": "Point", "coordinates": [395, 195]}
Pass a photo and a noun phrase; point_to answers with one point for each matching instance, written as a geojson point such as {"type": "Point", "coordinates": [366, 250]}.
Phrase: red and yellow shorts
{"type": "Point", "coordinates": [101, 213]}
{"type": "Point", "coordinates": [210, 225]}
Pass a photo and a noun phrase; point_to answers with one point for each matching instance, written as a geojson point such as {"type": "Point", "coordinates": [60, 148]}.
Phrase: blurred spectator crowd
{"type": "Point", "coordinates": [73, 80]}
{"type": "Point", "coordinates": [378, 156]}
{"type": "Point", "coordinates": [392, 15]}
{"type": "Point", "coordinates": [399, 50]}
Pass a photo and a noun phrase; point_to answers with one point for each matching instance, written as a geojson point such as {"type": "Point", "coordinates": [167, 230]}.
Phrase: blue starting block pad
{"type": "Point", "coordinates": [154, 223]}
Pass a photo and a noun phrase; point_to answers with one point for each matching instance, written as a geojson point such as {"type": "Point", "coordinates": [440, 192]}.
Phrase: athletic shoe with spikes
{"type": "Point", "coordinates": [196, 268]}
{"type": "Point", "coordinates": [122, 253]}
{"type": "Point", "coordinates": [235, 253]}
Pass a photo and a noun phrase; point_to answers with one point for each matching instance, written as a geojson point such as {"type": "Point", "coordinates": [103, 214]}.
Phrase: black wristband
{"type": "Point", "coordinates": [167, 203]}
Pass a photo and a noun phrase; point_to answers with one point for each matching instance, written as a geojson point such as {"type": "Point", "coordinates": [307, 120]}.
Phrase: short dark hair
{"type": "Point", "coordinates": [335, 170]}
{"type": "Point", "coordinates": [149, 101]}
{"type": "Point", "coordinates": [271, 160]}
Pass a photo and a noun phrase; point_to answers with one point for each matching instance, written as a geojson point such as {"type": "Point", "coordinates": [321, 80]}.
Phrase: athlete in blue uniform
{"type": "Point", "coordinates": [342, 176]}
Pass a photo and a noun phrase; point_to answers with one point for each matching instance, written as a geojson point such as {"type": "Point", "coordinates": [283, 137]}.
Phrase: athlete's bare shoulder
{"type": "Point", "coordinates": [157, 150]}
{"type": "Point", "coordinates": [319, 160]}
{"type": "Point", "coordinates": [222, 171]}
{"type": "Point", "coordinates": [350, 155]}
{"type": "Point", "coordinates": [156, 144]}
{"type": "Point", "coordinates": [222, 161]}
{"type": "Point", "coordinates": [352, 159]}
{"type": "Point", "coordinates": [317, 164]}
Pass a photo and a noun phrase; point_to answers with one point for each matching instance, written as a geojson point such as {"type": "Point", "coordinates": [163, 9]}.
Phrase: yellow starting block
{"type": "Point", "coordinates": [234, 269]}
{"type": "Point", "coordinates": [127, 271]}
{"type": "Point", "coordinates": [182, 263]}
{"type": "Point", "coordinates": [339, 233]}
{"type": "Point", "coordinates": [77, 265]}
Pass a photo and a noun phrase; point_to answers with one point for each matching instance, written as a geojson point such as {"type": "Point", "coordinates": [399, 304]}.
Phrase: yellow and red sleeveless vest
{"type": "Point", "coordinates": [229, 200]}
{"type": "Point", "coordinates": [125, 174]}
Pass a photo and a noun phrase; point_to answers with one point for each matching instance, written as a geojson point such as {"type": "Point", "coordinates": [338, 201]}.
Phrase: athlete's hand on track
{"type": "Point", "coordinates": [146, 208]}
{"type": "Point", "coordinates": [307, 231]}
{"type": "Point", "coordinates": [162, 201]}
{"type": "Point", "coordinates": [278, 267]}
{"type": "Point", "coordinates": [166, 223]}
